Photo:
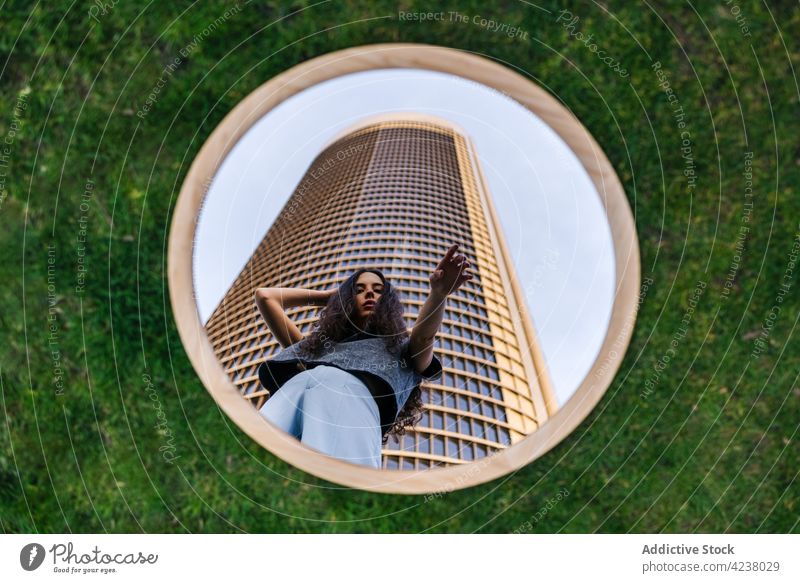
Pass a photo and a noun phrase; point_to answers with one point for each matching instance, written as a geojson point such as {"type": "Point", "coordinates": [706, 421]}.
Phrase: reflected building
{"type": "Point", "coordinates": [394, 192]}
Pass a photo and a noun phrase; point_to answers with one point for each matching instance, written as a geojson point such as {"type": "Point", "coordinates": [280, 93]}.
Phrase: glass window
{"type": "Point", "coordinates": [480, 450]}
{"type": "Point", "coordinates": [424, 443]}
{"type": "Point", "coordinates": [408, 442]}
{"type": "Point", "coordinates": [452, 448]}
{"type": "Point", "coordinates": [463, 404]}
{"type": "Point", "coordinates": [438, 445]}
{"type": "Point", "coordinates": [391, 462]}
{"type": "Point", "coordinates": [491, 433]}
{"type": "Point", "coordinates": [466, 450]}
{"type": "Point", "coordinates": [463, 425]}
{"type": "Point", "coordinates": [501, 413]}
{"type": "Point", "coordinates": [450, 400]}
{"type": "Point", "coordinates": [504, 437]}
{"type": "Point", "coordinates": [408, 464]}
{"type": "Point", "coordinates": [438, 421]}
{"type": "Point", "coordinates": [425, 420]}
{"type": "Point", "coordinates": [486, 409]}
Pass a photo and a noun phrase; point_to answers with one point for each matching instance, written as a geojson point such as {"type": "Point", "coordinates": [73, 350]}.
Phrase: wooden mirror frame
{"type": "Point", "coordinates": [434, 58]}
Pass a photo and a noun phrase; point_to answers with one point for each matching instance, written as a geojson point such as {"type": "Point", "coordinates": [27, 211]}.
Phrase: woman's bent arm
{"type": "Point", "coordinates": [424, 332]}
{"type": "Point", "coordinates": [272, 301]}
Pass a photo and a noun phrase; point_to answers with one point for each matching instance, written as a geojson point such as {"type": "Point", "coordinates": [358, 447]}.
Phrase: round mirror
{"type": "Point", "coordinates": [404, 268]}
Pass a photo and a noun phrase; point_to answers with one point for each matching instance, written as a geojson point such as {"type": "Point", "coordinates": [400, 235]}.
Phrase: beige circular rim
{"type": "Point", "coordinates": [468, 66]}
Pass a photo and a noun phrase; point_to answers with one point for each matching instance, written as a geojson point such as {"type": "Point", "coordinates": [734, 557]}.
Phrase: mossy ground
{"type": "Point", "coordinates": [712, 448]}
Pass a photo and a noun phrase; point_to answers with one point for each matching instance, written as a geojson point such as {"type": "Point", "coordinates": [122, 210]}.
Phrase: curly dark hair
{"type": "Point", "coordinates": [336, 323]}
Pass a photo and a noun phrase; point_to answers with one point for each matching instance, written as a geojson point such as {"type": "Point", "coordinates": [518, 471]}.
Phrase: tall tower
{"type": "Point", "coordinates": [394, 192]}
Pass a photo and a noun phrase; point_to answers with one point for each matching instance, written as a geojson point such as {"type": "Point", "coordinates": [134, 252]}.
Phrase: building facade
{"type": "Point", "coordinates": [394, 192]}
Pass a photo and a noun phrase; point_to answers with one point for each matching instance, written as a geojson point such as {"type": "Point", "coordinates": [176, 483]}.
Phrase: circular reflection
{"type": "Point", "coordinates": [407, 269]}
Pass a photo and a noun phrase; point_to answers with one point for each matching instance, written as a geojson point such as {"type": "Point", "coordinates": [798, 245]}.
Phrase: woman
{"type": "Point", "coordinates": [355, 379]}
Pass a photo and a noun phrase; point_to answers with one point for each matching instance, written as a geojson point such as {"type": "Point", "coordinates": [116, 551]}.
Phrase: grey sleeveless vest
{"type": "Point", "coordinates": [368, 355]}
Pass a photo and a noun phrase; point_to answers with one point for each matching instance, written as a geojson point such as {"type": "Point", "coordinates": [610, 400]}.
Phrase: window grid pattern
{"type": "Point", "coordinates": [395, 195]}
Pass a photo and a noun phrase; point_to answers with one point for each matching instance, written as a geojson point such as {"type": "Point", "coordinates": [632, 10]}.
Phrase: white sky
{"type": "Point", "coordinates": [553, 219]}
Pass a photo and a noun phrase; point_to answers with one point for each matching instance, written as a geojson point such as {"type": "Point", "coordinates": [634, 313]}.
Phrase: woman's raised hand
{"type": "Point", "coordinates": [452, 271]}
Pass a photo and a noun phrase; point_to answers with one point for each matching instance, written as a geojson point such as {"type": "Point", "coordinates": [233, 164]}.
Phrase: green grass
{"type": "Point", "coordinates": [712, 449]}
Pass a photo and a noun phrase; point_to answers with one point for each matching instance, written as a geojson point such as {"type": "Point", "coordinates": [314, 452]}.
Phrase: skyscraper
{"type": "Point", "coordinates": [394, 192]}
